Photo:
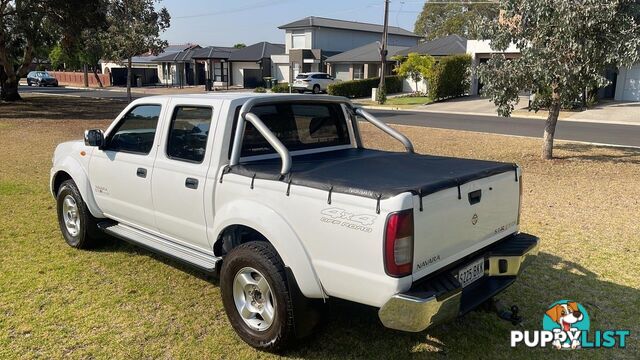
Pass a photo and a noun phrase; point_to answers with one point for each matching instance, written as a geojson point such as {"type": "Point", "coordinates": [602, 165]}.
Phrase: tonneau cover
{"type": "Point", "coordinates": [374, 174]}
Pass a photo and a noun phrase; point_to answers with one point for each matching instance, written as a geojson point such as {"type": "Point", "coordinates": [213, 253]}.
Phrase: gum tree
{"type": "Point", "coordinates": [134, 28]}
{"type": "Point", "coordinates": [565, 48]}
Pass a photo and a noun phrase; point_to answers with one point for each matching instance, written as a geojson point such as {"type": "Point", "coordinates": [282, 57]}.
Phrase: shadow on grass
{"type": "Point", "coordinates": [599, 153]}
{"type": "Point", "coordinates": [60, 108]}
{"type": "Point", "coordinates": [350, 330]}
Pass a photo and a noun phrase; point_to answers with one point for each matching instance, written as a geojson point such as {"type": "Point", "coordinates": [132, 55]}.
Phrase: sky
{"type": "Point", "coordinates": [225, 23]}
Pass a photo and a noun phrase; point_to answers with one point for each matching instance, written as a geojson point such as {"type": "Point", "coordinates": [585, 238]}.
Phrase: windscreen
{"type": "Point", "coordinates": [299, 126]}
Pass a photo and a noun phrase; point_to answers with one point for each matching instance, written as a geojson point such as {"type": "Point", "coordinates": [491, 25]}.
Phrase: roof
{"type": "Point", "coordinates": [213, 52]}
{"type": "Point", "coordinates": [257, 52]}
{"type": "Point", "coordinates": [364, 54]}
{"type": "Point", "coordinates": [448, 45]}
{"type": "Point", "coordinates": [314, 21]}
{"type": "Point", "coordinates": [171, 49]}
{"type": "Point", "coordinates": [236, 96]}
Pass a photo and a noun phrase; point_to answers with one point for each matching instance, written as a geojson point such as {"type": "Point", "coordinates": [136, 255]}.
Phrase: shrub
{"type": "Point", "coordinates": [280, 88]}
{"type": "Point", "coordinates": [362, 88]}
{"type": "Point", "coordinates": [450, 77]}
{"type": "Point", "coordinates": [260, 89]}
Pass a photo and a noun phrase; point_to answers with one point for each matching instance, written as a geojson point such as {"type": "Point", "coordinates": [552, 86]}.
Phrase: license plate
{"type": "Point", "coordinates": [471, 272]}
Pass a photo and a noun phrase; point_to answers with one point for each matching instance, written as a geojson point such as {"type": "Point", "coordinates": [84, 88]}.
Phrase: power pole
{"type": "Point", "coordinates": [383, 54]}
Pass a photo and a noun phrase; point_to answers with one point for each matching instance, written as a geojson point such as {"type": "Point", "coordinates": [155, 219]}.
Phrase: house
{"type": "Point", "coordinates": [444, 46]}
{"type": "Point", "coordinates": [362, 62]}
{"type": "Point", "coordinates": [480, 52]}
{"type": "Point", "coordinates": [250, 65]}
{"type": "Point", "coordinates": [194, 66]}
{"type": "Point", "coordinates": [143, 66]}
{"type": "Point", "coordinates": [309, 42]}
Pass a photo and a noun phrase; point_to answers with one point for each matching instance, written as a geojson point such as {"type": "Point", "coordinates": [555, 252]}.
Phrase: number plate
{"type": "Point", "coordinates": [471, 272]}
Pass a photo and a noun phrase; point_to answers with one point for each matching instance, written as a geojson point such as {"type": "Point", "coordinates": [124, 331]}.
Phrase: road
{"type": "Point", "coordinates": [610, 134]}
{"type": "Point", "coordinates": [624, 135]}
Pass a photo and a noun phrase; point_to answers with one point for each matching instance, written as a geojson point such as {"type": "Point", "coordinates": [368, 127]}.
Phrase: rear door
{"type": "Point", "coordinates": [180, 172]}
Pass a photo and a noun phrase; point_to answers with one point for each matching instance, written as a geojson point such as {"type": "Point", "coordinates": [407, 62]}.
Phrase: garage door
{"type": "Point", "coordinates": [629, 80]}
{"type": "Point", "coordinates": [342, 72]}
{"type": "Point", "coordinates": [282, 73]}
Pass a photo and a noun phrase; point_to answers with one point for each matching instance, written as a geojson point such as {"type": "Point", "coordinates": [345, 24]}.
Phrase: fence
{"type": "Point", "coordinates": [77, 78]}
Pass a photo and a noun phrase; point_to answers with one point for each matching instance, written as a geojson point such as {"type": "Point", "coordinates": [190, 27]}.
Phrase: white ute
{"type": "Point", "coordinates": [277, 195]}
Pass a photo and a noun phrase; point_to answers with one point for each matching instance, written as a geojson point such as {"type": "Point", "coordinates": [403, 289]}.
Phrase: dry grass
{"type": "Point", "coordinates": [124, 302]}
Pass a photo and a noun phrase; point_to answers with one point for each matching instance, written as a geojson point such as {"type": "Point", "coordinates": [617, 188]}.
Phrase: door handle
{"type": "Point", "coordinates": [141, 172]}
{"type": "Point", "coordinates": [191, 183]}
{"type": "Point", "coordinates": [475, 196]}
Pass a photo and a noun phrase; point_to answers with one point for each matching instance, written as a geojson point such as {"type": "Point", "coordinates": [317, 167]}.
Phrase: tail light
{"type": "Point", "coordinates": [520, 199]}
{"type": "Point", "coordinates": [306, 80]}
{"type": "Point", "coordinates": [398, 244]}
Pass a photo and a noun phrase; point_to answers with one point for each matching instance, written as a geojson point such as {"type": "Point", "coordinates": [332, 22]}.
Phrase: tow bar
{"type": "Point", "coordinates": [504, 312]}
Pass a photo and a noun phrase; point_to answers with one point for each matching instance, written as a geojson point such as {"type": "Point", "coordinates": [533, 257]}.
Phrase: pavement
{"type": "Point", "coordinates": [611, 112]}
{"type": "Point", "coordinates": [611, 123]}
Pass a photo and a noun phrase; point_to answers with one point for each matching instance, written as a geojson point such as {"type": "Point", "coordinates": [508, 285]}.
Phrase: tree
{"type": "Point", "coordinates": [415, 66]}
{"type": "Point", "coordinates": [442, 17]}
{"type": "Point", "coordinates": [29, 26]}
{"type": "Point", "coordinates": [565, 48]}
{"type": "Point", "coordinates": [240, 46]}
{"type": "Point", "coordinates": [134, 29]}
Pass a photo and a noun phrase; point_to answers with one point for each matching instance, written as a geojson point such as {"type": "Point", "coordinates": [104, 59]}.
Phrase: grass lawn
{"type": "Point", "coordinates": [123, 302]}
{"type": "Point", "coordinates": [404, 102]}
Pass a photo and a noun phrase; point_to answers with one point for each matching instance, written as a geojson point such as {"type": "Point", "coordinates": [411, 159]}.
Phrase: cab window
{"type": "Point", "coordinates": [188, 133]}
{"type": "Point", "coordinates": [136, 130]}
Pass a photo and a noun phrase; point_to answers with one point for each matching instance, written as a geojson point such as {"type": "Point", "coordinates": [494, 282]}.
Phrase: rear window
{"type": "Point", "coordinates": [302, 76]}
{"type": "Point", "coordinates": [299, 126]}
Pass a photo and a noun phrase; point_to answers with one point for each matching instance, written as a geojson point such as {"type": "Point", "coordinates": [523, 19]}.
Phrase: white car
{"type": "Point", "coordinates": [315, 82]}
{"type": "Point", "coordinates": [277, 195]}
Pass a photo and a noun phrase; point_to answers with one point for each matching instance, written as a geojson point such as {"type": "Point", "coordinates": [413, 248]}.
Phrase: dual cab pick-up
{"type": "Point", "coordinates": [277, 195]}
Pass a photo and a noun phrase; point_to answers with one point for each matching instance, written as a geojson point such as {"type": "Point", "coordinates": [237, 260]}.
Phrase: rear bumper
{"type": "Point", "coordinates": [440, 298]}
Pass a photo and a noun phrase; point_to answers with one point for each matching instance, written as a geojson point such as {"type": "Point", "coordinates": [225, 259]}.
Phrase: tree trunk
{"type": "Point", "coordinates": [95, 73]}
{"type": "Point", "coordinates": [85, 70]}
{"type": "Point", "coordinates": [129, 79]}
{"type": "Point", "coordinates": [550, 129]}
{"type": "Point", "coordinates": [10, 90]}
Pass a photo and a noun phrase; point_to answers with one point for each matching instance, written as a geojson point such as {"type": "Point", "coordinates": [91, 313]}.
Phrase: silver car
{"type": "Point", "coordinates": [314, 81]}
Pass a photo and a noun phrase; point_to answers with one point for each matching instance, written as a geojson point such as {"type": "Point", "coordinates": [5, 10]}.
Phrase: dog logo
{"type": "Point", "coordinates": [567, 320]}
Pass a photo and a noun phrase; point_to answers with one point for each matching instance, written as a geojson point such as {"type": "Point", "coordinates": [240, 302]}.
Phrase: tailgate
{"type": "Point", "coordinates": [455, 223]}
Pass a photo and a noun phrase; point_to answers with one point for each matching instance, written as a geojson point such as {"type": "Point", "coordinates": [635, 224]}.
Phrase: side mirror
{"type": "Point", "coordinates": [94, 137]}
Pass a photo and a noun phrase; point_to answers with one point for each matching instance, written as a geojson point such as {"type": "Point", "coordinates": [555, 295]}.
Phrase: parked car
{"type": "Point", "coordinates": [316, 82]}
{"type": "Point", "coordinates": [41, 78]}
{"type": "Point", "coordinates": [277, 195]}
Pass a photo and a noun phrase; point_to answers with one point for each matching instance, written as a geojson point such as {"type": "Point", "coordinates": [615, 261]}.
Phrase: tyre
{"type": "Point", "coordinates": [79, 228]}
{"type": "Point", "coordinates": [256, 297]}
{"type": "Point", "coordinates": [28, 83]}
{"type": "Point", "coordinates": [300, 91]}
{"type": "Point", "coordinates": [316, 89]}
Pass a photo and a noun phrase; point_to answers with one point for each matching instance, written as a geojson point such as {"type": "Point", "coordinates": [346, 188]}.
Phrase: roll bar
{"type": "Point", "coordinates": [247, 115]}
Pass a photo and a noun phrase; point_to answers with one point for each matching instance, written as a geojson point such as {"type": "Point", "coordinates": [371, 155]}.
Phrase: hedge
{"type": "Point", "coordinates": [450, 77]}
{"type": "Point", "coordinates": [280, 88]}
{"type": "Point", "coordinates": [362, 88]}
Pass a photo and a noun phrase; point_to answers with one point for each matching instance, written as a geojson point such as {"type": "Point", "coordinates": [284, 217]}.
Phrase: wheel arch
{"type": "Point", "coordinates": [266, 225]}
{"type": "Point", "coordinates": [70, 169]}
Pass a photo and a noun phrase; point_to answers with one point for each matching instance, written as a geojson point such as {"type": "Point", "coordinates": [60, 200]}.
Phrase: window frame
{"type": "Point", "coordinates": [352, 129]}
{"type": "Point", "coordinates": [118, 125]}
{"type": "Point", "coordinates": [170, 127]}
{"type": "Point", "coordinates": [359, 66]}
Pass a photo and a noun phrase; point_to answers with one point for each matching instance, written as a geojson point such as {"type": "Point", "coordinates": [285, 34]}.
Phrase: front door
{"type": "Point", "coordinates": [180, 172]}
{"type": "Point", "coordinates": [121, 172]}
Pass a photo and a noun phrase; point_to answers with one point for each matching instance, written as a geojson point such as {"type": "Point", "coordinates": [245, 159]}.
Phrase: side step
{"type": "Point", "coordinates": [202, 261]}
